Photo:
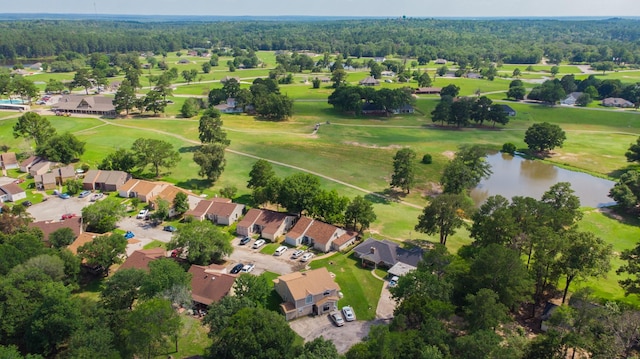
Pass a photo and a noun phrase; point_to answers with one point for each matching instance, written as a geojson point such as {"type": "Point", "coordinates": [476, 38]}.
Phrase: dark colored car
{"type": "Point", "coordinates": [245, 240]}
{"type": "Point", "coordinates": [27, 203]}
{"type": "Point", "coordinates": [237, 268]}
{"type": "Point", "coordinates": [169, 228]}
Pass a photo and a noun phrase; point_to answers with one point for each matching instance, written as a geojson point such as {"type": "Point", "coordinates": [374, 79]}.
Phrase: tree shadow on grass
{"type": "Point", "coordinates": [244, 199]}
{"type": "Point", "coordinates": [195, 184]}
{"type": "Point", "coordinates": [620, 171]}
{"type": "Point", "coordinates": [376, 198]}
{"type": "Point", "coordinates": [188, 149]}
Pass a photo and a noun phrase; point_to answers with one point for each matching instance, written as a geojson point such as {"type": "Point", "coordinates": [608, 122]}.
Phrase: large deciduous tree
{"type": "Point", "coordinates": [119, 160]}
{"type": "Point", "coordinates": [466, 170]}
{"type": "Point", "coordinates": [104, 251]}
{"type": "Point", "coordinates": [151, 328]}
{"type": "Point", "coordinates": [543, 137]}
{"type": "Point", "coordinates": [253, 288]}
{"type": "Point", "coordinates": [627, 191]}
{"type": "Point", "coordinates": [158, 153]}
{"type": "Point", "coordinates": [203, 242]}
{"type": "Point", "coordinates": [102, 216]}
{"type": "Point", "coordinates": [631, 268]}
{"type": "Point", "coordinates": [33, 127]}
{"type": "Point", "coordinates": [329, 206]}
{"type": "Point", "coordinates": [210, 128]}
{"type": "Point", "coordinates": [164, 275]}
{"type": "Point", "coordinates": [125, 98]}
{"type": "Point", "coordinates": [404, 164]}
{"type": "Point", "coordinates": [359, 214]}
{"type": "Point", "coordinates": [122, 289]}
{"type": "Point", "coordinates": [180, 203]}
{"type": "Point", "coordinates": [298, 191]}
{"type": "Point", "coordinates": [210, 158]}
{"type": "Point", "coordinates": [62, 237]}
{"type": "Point", "coordinates": [61, 148]}
{"type": "Point", "coordinates": [633, 153]}
{"type": "Point", "coordinates": [260, 174]}
{"type": "Point", "coordinates": [444, 215]}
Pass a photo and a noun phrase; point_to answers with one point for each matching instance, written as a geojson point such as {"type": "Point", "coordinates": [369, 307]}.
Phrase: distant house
{"type": "Point", "coordinates": [209, 286]}
{"type": "Point", "coordinates": [369, 81]}
{"type": "Point", "coordinates": [218, 211]}
{"type": "Point", "coordinates": [406, 108]}
{"type": "Point", "coordinates": [87, 105]}
{"type": "Point", "coordinates": [571, 99]}
{"type": "Point", "coordinates": [11, 192]}
{"type": "Point", "coordinates": [269, 224]}
{"type": "Point", "coordinates": [380, 59]}
{"type": "Point", "coordinates": [304, 293]}
{"type": "Point", "coordinates": [184, 61]}
{"type": "Point", "coordinates": [140, 259]}
{"type": "Point", "coordinates": [229, 107]}
{"type": "Point", "coordinates": [26, 165]}
{"type": "Point", "coordinates": [440, 62]}
{"type": "Point", "coordinates": [386, 253]}
{"type": "Point", "coordinates": [48, 227]}
{"type": "Point", "coordinates": [428, 91]}
{"type": "Point", "coordinates": [141, 189]}
{"type": "Point", "coordinates": [616, 102]}
{"type": "Point", "coordinates": [40, 167]}
{"type": "Point", "coordinates": [388, 73]}
{"type": "Point", "coordinates": [324, 79]}
{"type": "Point", "coordinates": [36, 67]}
{"type": "Point", "coordinates": [8, 161]}
{"type": "Point", "coordinates": [318, 234]}
{"type": "Point", "coordinates": [373, 109]}
{"type": "Point", "coordinates": [106, 181]}
{"type": "Point", "coordinates": [508, 110]}
{"type": "Point", "coordinates": [227, 78]}
{"type": "Point", "coordinates": [45, 182]}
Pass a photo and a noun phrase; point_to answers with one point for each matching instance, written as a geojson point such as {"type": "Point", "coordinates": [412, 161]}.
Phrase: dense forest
{"type": "Point", "coordinates": [508, 41]}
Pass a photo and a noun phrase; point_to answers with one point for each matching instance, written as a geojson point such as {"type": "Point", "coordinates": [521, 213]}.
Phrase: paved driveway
{"type": "Point", "coordinates": [54, 207]}
{"type": "Point", "coordinates": [344, 337]}
{"type": "Point", "coordinates": [264, 262]}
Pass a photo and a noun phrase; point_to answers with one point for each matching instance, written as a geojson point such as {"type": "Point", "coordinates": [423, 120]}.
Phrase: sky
{"type": "Point", "coordinates": [385, 8]}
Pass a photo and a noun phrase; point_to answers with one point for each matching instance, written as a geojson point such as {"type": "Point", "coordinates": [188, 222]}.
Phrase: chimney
{"type": "Point", "coordinates": [373, 250]}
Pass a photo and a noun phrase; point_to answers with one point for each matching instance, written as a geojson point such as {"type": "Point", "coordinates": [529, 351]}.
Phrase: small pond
{"type": "Point", "coordinates": [516, 176]}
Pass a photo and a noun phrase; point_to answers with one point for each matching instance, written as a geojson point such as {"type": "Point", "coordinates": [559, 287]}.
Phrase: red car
{"type": "Point", "coordinates": [68, 215]}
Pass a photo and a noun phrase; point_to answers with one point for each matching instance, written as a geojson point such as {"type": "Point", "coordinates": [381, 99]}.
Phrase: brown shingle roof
{"type": "Point", "coordinates": [300, 228]}
{"type": "Point", "coordinates": [83, 239]}
{"type": "Point", "coordinates": [9, 158]}
{"type": "Point", "coordinates": [48, 227]}
{"type": "Point", "coordinates": [201, 208]}
{"type": "Point", "coordinates": [30, 160]}
{"type": "Point", "coordinates": [140, 259]}
{"type": "Point", "coordinates": [321, 232]}
{"type": "Point", "coordinates": [250, 218]}
{"type": "Point", "coordinates": [315, 281]}
{"type": "Point", "coordinates": [271, 220]}
{"type": "Point", "coordinates": [67, 171]}
{"type": "Point", "coordinates": [88, 103]}
{"type": "Point", "coordinates": [46, 178]}
{"type": "Point", "coordinates": [11, 188]}
{"type": "Point", "coordinates": [90, 176]}
{"type": "Point", "coordinates": [208, 286]}
{"type": "Point", "coordinates": [345, 238]}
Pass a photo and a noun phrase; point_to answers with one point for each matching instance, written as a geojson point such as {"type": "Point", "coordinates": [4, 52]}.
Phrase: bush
{"type": "Point", "coordinates": [508, 148]}
{"type": "Point", "coordinates": [85, 167]}
{"type": "Point", "coordinates": [427, 159]}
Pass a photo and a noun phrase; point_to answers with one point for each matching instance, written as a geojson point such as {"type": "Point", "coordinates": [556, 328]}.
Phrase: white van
{"type": "Point", "coordinates": [280, 250]}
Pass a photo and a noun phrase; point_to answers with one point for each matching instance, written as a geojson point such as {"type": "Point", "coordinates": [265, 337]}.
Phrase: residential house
{"type": "Point", "coordinates": [208, 286]}
{"type": "Point", "coordinates": [82, 239]}
{"type": "Point", "coordinates": [310, 292]}
{"type": "Point", "coordinates": [227, 78]}
{"type": "Point", "coordinates": [145, 191]}
{"type": "Point", "coordinates": [428, 90]}
{"type": "Point", "coordinates": [45, 182]}
{"type": "Point", "coordinates": [571, 99]}
{"type": "Point", "coordinates": [63, 174]}
{"type": "Point", "coordinates": [140, 259]}
{"type": "Point", "coordinates": [318, 234]}
{"type": "Point", "coordinates": [269, 224]}
{"type": "Point", "coordinates": [218, 210]}
{"type": "Point", "coordinates": [388, 73]}
{"type": "Point", "coordinates": [373, 109]}
{"type": "Point", "coordinates": [616, 102]}
{"type": "Point", "coordinates": [168, 193]}
{"type": "Point", "coordinates": [41, 167]}
{"type": "Point", "coordinates": [386, 253]}
{"type": "Point", "coordinates": [88, 105]}
{"type": "Point", "coordinates": [105, 181]}
{"type": "Point", "coordinates": [440, 62]}
{"type": "Point", "coordinates": [48, 227]}
{"type": "Point", "coordinates": [406, 108]}
{"type": "Point", "coordinates": [184, 61]}
{"type": "Point", "coordinates": [8, 161]}
{"type": "Point", "coordinates": [36, 67]}
{"type": "Point", "coordinates": [229, 106]}
{"type": "Point", "coordinates": [369, 81]}
{"type": "Point", "coordinates": [11, 192]}
{"type": "Point", "coordinates": [509, 111]}
{"type": "Point", "coordinates": [380, 59]}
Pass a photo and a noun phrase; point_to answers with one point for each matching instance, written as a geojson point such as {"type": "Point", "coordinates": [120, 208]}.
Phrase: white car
{"type": "Point", "coordinates": [336, 317]}
{"type": "Point", "coordinates": [248, 268]}
{"type": "Point", "coordinates": [394, 281]}
{"type": "Point", "coordinates": [280, 251]}
{"type": "Point", "coordinates": [142, 214]}
{"type": "Point", "coordinates": [306, 257]}
{"type": "Point", "coordinates": [297, 254]}
{"type": "Point", "coordinates": [259, 243]}
{"type": "Point", "coordinates": [348, 313]}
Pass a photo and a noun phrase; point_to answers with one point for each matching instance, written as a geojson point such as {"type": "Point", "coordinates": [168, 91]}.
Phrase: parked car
{"type": "Point", "coordinates": [68, 215]}
{"type": "Point", "coordinates": [84, 194]}
{"type": "Point", "coordinates": [280, 250]}
{"type": "Point", "coordinates": [248, 268]}
{"type": "Point", "coordinates": [237, 268]}
{"type": "Point", "coordinates": [306, 257]}
{"type": "Point", "coordinates": [245, 240]}
{"type": "Point", "coordinates": [169, 229]}
{"type": "Point", "coordinates": [64, 195]}
{"type": "Point", "coordinates": [259, 243]}
{"type": "Point", "coordinates": [336, 318]}
{"type": "Point", "coordinates": [348, 313]}
{"type": "Point", "coordinates": [129, 235]}
{"type": "Point", "coordinates": [394, 281]}
{"type": "Point", "coordinates": [297, 254]}
{"type": "Point", "coordinates": [142, 214]}
{"type": "Point", "coordinates": [96, 197]}
{"type": "Point", "coordinates": [27, 203]}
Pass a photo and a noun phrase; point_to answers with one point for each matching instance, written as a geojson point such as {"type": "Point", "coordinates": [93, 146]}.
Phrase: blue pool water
{"type": "Point", "coordinates": [14, 101]}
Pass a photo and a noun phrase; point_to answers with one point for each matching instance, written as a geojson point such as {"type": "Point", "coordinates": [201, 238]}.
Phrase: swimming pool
{"type": "Point", "coordinates": [14, 102]}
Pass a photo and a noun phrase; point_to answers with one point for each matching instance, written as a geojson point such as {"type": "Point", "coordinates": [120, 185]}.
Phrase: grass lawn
{"type": "Point", "coordinates": [269, 248]}
{"type": "Point", "coordinates": [155, 244]}
{"type": "Point", "coordinates": [193, 339]}
{"type": "Point", "coordinates": [360, 288]}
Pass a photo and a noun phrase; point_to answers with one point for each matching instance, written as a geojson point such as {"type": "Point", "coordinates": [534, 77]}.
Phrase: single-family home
{"type": "Point", "coordinates": [45, 182]}
{"type": "Point", "coordinates": [209, 285]}
{"type": "Point", "coordinates": [105, 181]}
{"type": "Point", "coordinates": [140, 259]}
{"type": "Point", "coordinates": [168, 193]}
{"type": "Point", "coordinates": [89, 105]}
{"type": "Point", "coordinates": [218, 210]}
{"type": "Point", "coordinates": [11, 192]}
{"type": "Point", "coordinates": [385, 253]}
{"type": "Point", "coordinates": [40, 167]}
{"type": "Point", "coordinates": [145, 191]}
{"type": "Point", "coordinates": [26, 165]}
{"type": "Point", "coordinates": [369, 81]}
{"type": "Point", "coordinates": [269, 224]}
{"type": "Point", "coordinates": [48, 227]}
{"type": "Point", "coordinates": [229, 106]}
{"type": "Point", "coordinates": [311, 292]}
{"type": "Point", "coordinates": [571, 99]}
{"type": "Point", "coordinates": [406, 108]}
{"type": "Point", "coordinates": [318, 234]}
{"type": "Point", "coordinates": [440, 62]}
{"type": "Point", "coordinates": [63, 174]}
{"type": "Point", "coordinates": [508, 110]}
{"type": "Point", "coordinates": [388, 73]}
{"type": "Point", "coordinates": [36, 67]}
{"type": "Point", "coordinates": [616, 102]}
{"type": "Point", "coordinates": [8, 161]}
{"type": "Point", "coordinates": [227, 78]}
{"type": "Point", "coordinates": [373, 109]}
{"type": "Point", "coordinates": [428, 90]}
{"type": "Point", "coordinates": [82, 239]}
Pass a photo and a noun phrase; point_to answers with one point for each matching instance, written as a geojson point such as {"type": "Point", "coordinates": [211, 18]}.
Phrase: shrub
{"type": "Point", "coordinates": [427, 159]}
{"type": "Point", "coordinates": [85, 167]}
{"type": "Point", "coordinates": [508, 148]}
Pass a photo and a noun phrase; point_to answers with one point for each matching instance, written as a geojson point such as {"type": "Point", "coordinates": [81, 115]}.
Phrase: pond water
{"type": "Point", "coordinates": [516, 176]}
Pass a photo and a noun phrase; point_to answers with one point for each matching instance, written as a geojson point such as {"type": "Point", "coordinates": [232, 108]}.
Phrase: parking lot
{"type": "Point", "coordinates": [54, 207]}
{"type": "Point", "coordinates": [264, 262]}
{"type": "Point", "coordinates": [343, 337]}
